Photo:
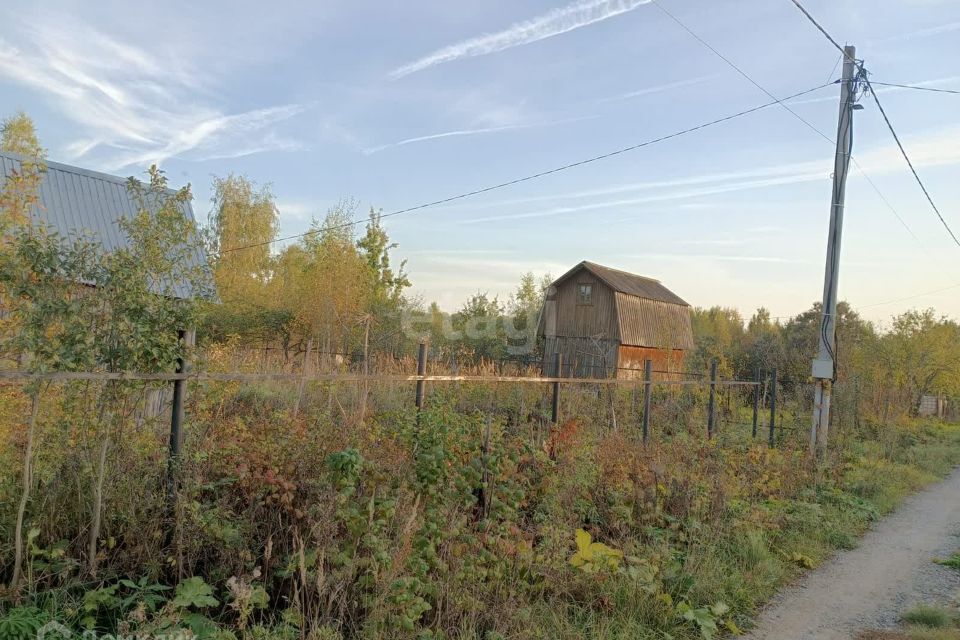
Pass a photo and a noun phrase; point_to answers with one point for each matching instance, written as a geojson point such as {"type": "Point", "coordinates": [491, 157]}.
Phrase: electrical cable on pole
{"type": "Point", "coordinates": [915, 87]}
{"type": "Point", "coordinates": [864, 75]}
{"type": "Point", "coordinates": [824, 365]}
{"type": "Point", "coordinates": [792, 112]}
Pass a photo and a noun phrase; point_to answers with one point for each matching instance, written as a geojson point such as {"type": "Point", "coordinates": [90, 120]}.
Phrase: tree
{"type": "Point", "coordinates": [242, 224]}
{"type": "Point", "coordinates": [386, 285]}
{"type": "Point", "coordinates": [479, 324]}
{"type": "Point", "coordinates": [21, 188]}
{"type": "Point", "coordinates": [525, 307]}
{"type": "Point", "coordinates": [763, 344]}
{"type": "Point", "coordinates": [385, 300]}
{"type": "Point", "coordinates": [923, 352]}
{"type": "Point", "coordinates": [325, 281]}
{"type": "Point", "coordinates": [18, 135]}
{"type": "Point", "coordinates": [146, 292]}
{"type": "Point", "coordinates": [128, 322]}
{"type": "Point", "coordinates": [718, 333]}
{"type": "Point", "coordinates": [47, 319]}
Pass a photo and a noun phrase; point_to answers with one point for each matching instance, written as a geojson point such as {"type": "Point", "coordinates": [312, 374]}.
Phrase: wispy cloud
{"type": "Point", "coordinates": [657, 89]}
{"type": "Point", "coordinates": [934, 148]}
{"type": "Point", "coordinates": [445, 134]}
{"type": "Point", "coordinates": [472, 132]}
{"type": "Point", "coordinates": [923, 33]}
{"type": "Point", "coordinates": [719, 257]}
{"type": "Point", "coordinates": [299, 210]}
{"type": "Point", "coordinates": [667, 195]}
{"type": "Point", "coordinates": [131, 107]}
{"type": "Point", "coordinates": [553, 23]}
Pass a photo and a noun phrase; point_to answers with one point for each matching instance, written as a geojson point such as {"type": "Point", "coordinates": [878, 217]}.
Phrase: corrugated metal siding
{"type": "Point", "coordinates": [653, 323]}
{"type": "Point", "coordinates": [667, 363]}
{"type": "Point", "coordinates": [77, 202]}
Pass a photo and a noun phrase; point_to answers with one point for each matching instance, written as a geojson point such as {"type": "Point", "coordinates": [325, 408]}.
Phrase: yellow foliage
{"type": "Point", "coordinates": [594, 556]}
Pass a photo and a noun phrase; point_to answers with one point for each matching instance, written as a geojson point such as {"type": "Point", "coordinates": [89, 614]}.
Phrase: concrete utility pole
{"type": "Point", "coordinates": [825, 362]}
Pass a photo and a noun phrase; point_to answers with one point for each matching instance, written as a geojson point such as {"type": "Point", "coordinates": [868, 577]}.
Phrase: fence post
{"type": "Point", "coordinates": [557, 373]}
{"type": "Point", "coordinates": [176, 425]}
{"type": "Point", "coordinates": [711, 407]}
{"type": "Point", "coordinates": [176, 439]}
{"type": "Point", "coordinates": [756, 401]}
{"type": "Point", "coordinates": [773, 405]}
{"type": "Point", "coordinates": [421, 371]}
{"type": "Point", "coordinates": [647, 388]}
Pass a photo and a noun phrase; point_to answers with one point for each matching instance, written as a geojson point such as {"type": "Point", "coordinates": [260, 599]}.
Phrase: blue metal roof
{"type": "Point", "coordinates": [78, 202]}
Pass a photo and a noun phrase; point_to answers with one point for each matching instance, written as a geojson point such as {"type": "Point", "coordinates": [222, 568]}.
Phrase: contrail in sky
{"type": "Point", "coordinates": [553, 23]}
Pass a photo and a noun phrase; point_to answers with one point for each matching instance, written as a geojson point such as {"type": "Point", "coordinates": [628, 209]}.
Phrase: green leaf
{"type": "Point", "coordinates": [194, 592]}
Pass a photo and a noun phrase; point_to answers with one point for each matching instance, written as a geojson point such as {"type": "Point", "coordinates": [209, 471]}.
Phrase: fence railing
{"type": "Point", "coordinates": [421, 378]}
{"type": "Point", "coordinates": [762, 392]}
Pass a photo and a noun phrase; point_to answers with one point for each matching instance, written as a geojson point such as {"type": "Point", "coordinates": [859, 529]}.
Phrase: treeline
{"type": "Point", "coordinates": [889, 369]}
{"type": "Point", "coordinates": [338, 292]}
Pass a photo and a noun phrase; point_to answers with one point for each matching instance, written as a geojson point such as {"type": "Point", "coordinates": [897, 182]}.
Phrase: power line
{"type": "Point", "coordinates": [861, 75]}
{"type": "Point", "coordinates": [903, 151]}
{"type": "Point", "coordinates": [736, 68]}
{"type": "Point", "coordinates": [741, 71]}
{"type": "Point", "coordinates": [835, 65]}
{"type": "Point", "coordinates": [826, 35]}
{"type": "Point", "coordinates": [886, 119]}
{"type": "Point", "coordinates": [541, 174]}
{"type": "Point", "coordinates": [916, 87]}
{"type": "Point", "coordinates": [918, 295]}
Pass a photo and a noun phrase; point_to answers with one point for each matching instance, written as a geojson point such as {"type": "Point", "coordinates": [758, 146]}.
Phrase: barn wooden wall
{"type": "Point", "coordinates": [597, 320]}
{"type": "Point", "coordinates": [582, 357]}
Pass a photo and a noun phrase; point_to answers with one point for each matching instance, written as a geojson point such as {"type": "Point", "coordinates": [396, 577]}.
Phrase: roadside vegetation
{"type": "Point", "coordinates": [336, 511]}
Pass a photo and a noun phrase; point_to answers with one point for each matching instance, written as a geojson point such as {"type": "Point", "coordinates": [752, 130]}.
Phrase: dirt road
{"type": "Point", "coordinates": [871, 586]}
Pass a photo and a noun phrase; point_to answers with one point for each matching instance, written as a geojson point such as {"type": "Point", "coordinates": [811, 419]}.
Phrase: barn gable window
{"type": "Point", "coordinates": [584, 294]}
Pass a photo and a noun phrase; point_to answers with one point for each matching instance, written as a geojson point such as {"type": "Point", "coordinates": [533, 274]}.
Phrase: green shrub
{"type": "Point", "coordinates": [927, 616]}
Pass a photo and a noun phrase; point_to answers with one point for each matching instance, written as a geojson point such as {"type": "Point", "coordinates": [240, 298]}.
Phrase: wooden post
{"type": "Point", "coordinates": [176, 426]}
{"type": "Point", "coordinates": [647, 389]}
{"type": "Point", "coordinates": [421, 371]}
{"type": "Point", "coordinates": [756, 402]}
{"type": "Point", "coordinates": [773, 406]}
{"type": "Point", "coordinates": [711, 407]}
{"type": "Point", "coordinates": [366, 368]}
{"type": "Point", "coordinates": [557, 372]}
{"type": "Point", "coordinates": [303, 378]}
{"type": "Point", "coordinates": [176, 434]}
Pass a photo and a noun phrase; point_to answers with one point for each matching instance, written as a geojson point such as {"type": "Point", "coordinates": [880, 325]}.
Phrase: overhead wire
{"type": "Point", "coordinates": [743, 73]}
{"type": "Point", "coordinates": [541, 174]}
{"type": "Point", "coordinates": [912, 297]}
{"type": "Point", "coordinates": [842, 134]}
{"type": "Point", "coordinates": [834, 70]}
{"type": "Point", "coordinates": [886, 119]}
{"type": "Point", "coordinates": [906, 157]}
{"type": "Point", "coordinates": [739, 70]}
{"type": "Point", "coordinates": [915, 87]}
{"type": "Point", "coordinates": [862, 75]}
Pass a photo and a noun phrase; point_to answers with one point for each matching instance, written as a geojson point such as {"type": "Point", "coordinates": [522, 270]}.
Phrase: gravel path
{"type": "Point", "coordinates": [871, 586]}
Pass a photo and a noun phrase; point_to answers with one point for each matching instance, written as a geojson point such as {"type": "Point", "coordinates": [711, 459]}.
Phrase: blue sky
{"type": "Point", "coordinates": [398, 103]}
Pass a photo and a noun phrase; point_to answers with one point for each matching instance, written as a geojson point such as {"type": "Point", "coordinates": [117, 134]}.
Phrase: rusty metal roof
{"type": "Point", "coordinates": [628, 283]}
{"type": "Point", "coordinates": [76, 202]}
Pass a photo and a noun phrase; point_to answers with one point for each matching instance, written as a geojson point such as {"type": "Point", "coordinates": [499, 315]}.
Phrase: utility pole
{"type": "Point", "coordinates": [825, 362]}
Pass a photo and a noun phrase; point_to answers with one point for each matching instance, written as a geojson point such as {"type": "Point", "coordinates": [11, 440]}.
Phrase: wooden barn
{"type": "Point", "coordinates": [606, 323]}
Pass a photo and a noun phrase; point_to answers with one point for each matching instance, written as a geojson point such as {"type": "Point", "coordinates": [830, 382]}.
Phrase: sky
{"type": "Point", "coordinates": [394, 104]}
